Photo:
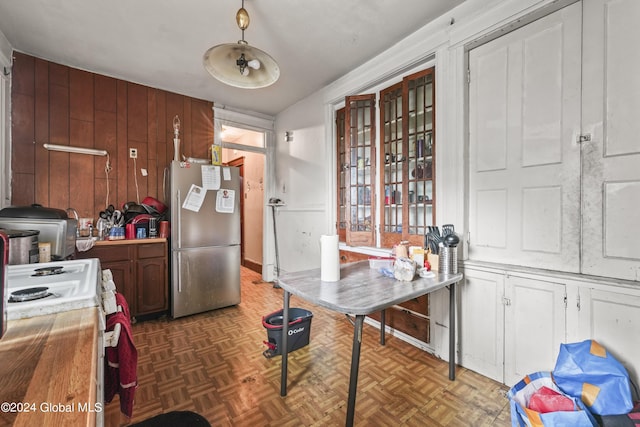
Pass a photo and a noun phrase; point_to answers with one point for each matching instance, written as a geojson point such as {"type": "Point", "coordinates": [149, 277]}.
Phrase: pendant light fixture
{"type": "Point", "coordinates": [241, 65]}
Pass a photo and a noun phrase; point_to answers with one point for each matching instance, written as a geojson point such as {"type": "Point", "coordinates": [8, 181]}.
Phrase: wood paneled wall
{"type": "Point", "coordinates": [62, 105]}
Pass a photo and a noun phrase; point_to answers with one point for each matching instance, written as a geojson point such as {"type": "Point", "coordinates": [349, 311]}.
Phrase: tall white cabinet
{"type": "Point", "coordinates": [554, 191]}
{"type": "Point", "coordinates": [611, 160]}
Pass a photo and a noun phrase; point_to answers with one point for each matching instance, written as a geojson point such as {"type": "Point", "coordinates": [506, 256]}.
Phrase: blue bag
{"type": "Point", "coordinates": [586, 370]}
{"type": "Point", "coordinates": [522, 416]}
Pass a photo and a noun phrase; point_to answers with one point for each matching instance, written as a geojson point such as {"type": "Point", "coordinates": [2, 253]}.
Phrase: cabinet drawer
{"type": "Point", "coordinates": [348, 256]}
{"type": "Point", "coordinates": [108, 253]}
{"type": "Point", "coordinates": [419, 304]}
{"type": "Point", "coordinates": [410, 324]}
{"type": "Point", "coordinates": [152, 250]}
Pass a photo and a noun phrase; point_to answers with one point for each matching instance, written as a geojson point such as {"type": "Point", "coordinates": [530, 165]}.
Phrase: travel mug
{"type": "Point", "coordinates": [130, 231]}
{"type": "Point", "coordinates": [164, 229]}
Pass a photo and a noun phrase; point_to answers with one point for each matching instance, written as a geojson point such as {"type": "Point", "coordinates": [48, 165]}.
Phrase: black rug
{"type": "Point", "coordinates": [175, 419]}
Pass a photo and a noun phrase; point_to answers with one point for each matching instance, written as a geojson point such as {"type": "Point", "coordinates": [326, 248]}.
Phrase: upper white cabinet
{"type": "Point", "coordinates": [554, 153]}
{"type": "Point", "coordinates": [611, 160]}
{"type": "Point", "coordinates": [554, 191]}
{"type": "Point", "coordinates": [524, 161]}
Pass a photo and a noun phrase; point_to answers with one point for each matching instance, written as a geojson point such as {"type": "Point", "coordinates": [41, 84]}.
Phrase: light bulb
{"type": "Point", "coordinates": [245, 71]}
{"type": "Point", "coordinates": [254, 63]}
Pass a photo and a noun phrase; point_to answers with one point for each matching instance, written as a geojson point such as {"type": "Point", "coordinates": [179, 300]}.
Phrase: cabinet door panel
{"type": "Point", "coordinates": [482, 323]}
{"type": "Point", "coordinates": [151, 283]}
{"type": "Point", "coordinates": [534, 326]}
{"type": "Point", "coordinates": [613, 319]}
{"type": "Point", "coordinates": [122, 277]}
{"type": "Point", "coordinates": [524, 162]}
{"type": "Point", "coordinates": [610, 100]}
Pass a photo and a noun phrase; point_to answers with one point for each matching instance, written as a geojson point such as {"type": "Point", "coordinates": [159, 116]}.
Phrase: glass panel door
{"type": "Point", "coordinates": [392, 157]}
{"type": "Point", "coordinates": [342, 168]}
{"type": "Point", "coordinates": [360, 133]}
{"type": "Point", "coordinates": [420, 141]}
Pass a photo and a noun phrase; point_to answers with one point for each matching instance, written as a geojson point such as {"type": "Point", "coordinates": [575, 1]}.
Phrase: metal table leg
{"type": "Point", "coordinates": [283, 340]}
{"type": "Point", "coordinates": [275, 240]}
{"type": "Point", "coordinates": [382, 326]}
{"type": "Point", "coordinates": [355, 364]}
{"type": "Point", "coordinates": [452, 331]}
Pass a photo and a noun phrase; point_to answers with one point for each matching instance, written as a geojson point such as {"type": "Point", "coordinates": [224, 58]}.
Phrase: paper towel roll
{"type": "Point", "coordinates": [329, 259]}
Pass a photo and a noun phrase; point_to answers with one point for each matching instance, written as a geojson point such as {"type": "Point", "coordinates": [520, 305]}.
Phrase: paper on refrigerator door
{"type": "Point", "coordinates": [226, 173]}
{"type": "Point", "coordinates": [210, 177]}
{"type": "Point", "coordinates": [194, 198]}
{"type": "Point", "coordinates": [225, 201]}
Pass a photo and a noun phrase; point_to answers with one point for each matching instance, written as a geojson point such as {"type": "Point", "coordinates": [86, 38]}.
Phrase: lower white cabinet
{"type": "Point", "coordinates": [534, 326]}
{"type": "Point", "coordinates": [481, 323]}
{"type": "Point", "coordinates": [611, 316]}
{"type": "Point", "coordinates": [513, 322]}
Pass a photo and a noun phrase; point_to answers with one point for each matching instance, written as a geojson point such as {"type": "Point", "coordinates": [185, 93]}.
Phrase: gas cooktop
{"type": "Point", "coordinates": [53, 287]}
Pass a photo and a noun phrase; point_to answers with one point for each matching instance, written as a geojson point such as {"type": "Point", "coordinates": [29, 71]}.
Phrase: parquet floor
{"type": "Point", "coordinates": [212, 363]}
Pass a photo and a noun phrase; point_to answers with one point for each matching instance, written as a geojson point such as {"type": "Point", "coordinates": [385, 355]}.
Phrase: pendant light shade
{"type": "Point", "coordinates": [241, 65]}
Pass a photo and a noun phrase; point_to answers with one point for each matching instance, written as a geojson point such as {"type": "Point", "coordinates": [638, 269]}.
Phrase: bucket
{"type": "Point", "coordinates": [298, 331]}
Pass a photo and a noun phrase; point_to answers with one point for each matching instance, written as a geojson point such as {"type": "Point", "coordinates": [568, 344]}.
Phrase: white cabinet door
{"type": "Point", "coordinates": [481, 329]}
{"type": "Point", "coordinates": [611, 161]}
{"type": "Point", "coordinates": [524, 161]}
{"type": "Point", "coordinates": [534, 326]}
{"type": "Point", "coordinates": [612, 317]}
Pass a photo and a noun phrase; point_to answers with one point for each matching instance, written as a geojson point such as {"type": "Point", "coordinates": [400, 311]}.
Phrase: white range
{"type": "Point", "coordinates": [55, 286]}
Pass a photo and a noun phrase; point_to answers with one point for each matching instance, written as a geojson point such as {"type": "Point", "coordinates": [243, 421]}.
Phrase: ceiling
{"type": "Point", "coordinates": [160, 43]}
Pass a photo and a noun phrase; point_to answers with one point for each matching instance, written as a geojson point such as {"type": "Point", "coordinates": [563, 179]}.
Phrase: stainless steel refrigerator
{"type": "Point", "coordinates": [205, 244]}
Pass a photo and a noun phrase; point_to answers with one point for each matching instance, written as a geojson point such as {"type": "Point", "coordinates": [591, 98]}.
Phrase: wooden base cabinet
{"type": "Point", "coordinates": [348, 256]}
{"type": "Point", "coordinates": [411, 317]}
{"type": "Point", "coordinates": [140, 272]}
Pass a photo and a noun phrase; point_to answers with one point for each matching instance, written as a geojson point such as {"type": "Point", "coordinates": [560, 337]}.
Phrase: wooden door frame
{"type": "Point", "coordinates": [239, 163]}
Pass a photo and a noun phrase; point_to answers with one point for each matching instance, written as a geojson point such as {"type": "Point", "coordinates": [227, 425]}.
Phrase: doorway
{"type": "Point", "coordinates": [244, 149]}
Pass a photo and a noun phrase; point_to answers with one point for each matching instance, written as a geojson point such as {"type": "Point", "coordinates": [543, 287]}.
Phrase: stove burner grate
{"type": "Point", "coordinates": [48, 271]}
{"type": "Point", "coordinates": [29, 294]}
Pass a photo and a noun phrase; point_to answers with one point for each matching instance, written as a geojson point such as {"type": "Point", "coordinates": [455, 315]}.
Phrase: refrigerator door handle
{"type": "Point", "coordinates": [178, 220]}
{"type": "Point", "coordinates": [179, 276]}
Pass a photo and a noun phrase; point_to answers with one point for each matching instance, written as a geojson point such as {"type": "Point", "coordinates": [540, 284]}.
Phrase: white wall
{"type": "Point", "coordinates": [303, 168]}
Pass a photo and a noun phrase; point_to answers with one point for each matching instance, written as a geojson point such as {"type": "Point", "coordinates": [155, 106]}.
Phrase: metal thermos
{"type": "Point", "coordinates": [153, 227]}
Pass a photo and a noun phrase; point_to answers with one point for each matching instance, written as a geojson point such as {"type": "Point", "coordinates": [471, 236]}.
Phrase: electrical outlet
{"type": "Point", "coordinates": [133, 153]}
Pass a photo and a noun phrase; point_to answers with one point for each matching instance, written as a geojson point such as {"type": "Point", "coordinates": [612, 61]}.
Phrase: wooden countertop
{"type": "Point", "coordinates": [129, 241]}
{"type": "Point", "coordinates": [49, 370]}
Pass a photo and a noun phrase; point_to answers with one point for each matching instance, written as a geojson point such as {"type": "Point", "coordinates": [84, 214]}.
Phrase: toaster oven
{"type": "Point", "coordinates": [54, 226]}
